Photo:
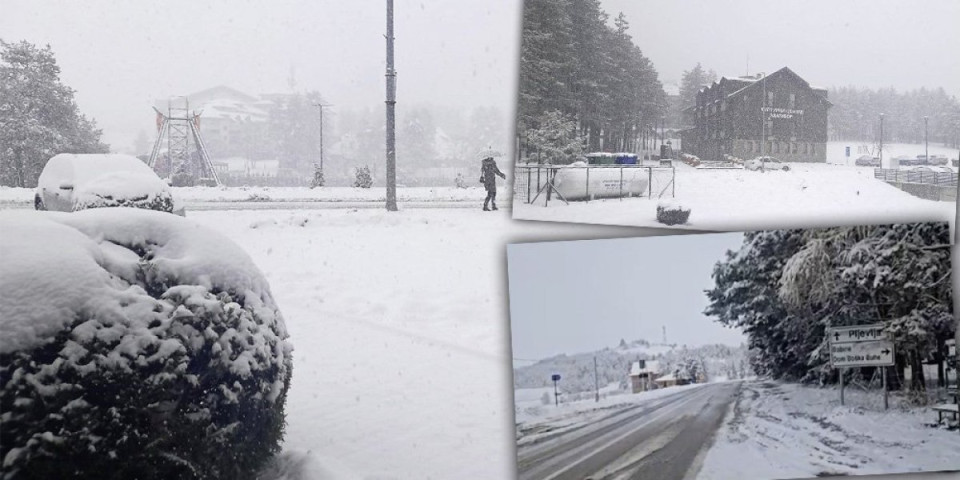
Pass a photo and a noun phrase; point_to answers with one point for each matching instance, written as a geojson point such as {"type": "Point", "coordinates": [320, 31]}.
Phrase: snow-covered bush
{"type": "Point", "coordinates": [363, 178]}
{"type": "Point", "coordinates": [135, 344]}
{"type": "Point", "coordinates": [672, 213]}
{"type": "Point", "coordinates": [318, 180]}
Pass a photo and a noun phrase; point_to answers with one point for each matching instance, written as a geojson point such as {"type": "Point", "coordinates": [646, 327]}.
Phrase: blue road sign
{"type": "Point", "coordinates": [556, 377]}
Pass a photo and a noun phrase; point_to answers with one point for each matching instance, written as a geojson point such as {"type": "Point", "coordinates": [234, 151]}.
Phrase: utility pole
{"type": "Point", "coordinates": [596, 378]}
{"type": "Point", "coordinates": [926, 142]}
{"type": "Point", "coordinates": [763, 120]}
{"type": "Point", "coordinates": [881, 140]}
{"type": "Point", "coordinates": [391, 116]}
{"type": "Point", "coordinates": [320, 106]}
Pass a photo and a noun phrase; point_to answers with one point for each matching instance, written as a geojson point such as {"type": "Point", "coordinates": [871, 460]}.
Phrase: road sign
{"type": "Point", "coordinates": [848, 151]}
{"type": "Point", "coordinates": [556, 377]}
{"type": "Point", "coordinates": [862, 354]}
{"type": "Point", "coordinates": [859, 333]}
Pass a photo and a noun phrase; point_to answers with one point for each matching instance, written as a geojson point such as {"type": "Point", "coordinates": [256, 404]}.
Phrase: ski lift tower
{"type": "Point", "coordinates": [181, 130]}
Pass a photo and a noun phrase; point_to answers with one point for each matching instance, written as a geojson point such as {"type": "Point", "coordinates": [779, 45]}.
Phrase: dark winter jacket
{"type": "Point", "coordinates": [489, 173]}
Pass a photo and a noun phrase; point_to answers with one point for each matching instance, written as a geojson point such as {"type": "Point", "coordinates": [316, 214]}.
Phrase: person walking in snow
{"type": "Point", "coordinates": [488, 177]}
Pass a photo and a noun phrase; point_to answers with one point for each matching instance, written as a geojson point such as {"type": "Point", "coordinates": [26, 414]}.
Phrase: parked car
{"type": "Point", "coordinates": [867, 161]}
{"type": "Point", "coordinates": [905, 161]}
{"type": "Point", "coordinates": [765, 163]}
{"type": "Point", "coordinates": [71, 182]}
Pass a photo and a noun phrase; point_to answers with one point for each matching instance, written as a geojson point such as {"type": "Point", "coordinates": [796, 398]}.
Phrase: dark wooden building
{"type": "Point", "coordinates": [779, 115]}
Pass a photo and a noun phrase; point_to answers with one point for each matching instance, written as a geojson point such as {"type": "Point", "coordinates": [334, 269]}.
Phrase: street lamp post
{"type": "Point", "coordinates": [320, 106]}
{"type": "Point", "coordinates": [391, 116]}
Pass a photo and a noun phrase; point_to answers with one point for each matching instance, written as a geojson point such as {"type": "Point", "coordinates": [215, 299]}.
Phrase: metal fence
{"type": "Point", "coordinates": [543, 183]}
{"type": "Point", "coordinates": [940, 179]}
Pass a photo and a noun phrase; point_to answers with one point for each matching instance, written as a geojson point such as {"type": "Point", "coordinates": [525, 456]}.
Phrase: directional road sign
{"type": "Point", "coordinates": [877, 353]}
{"type": "Point", "coordinates": [556, 377]}
{"type": "Point", "coordinates": [859, 333]}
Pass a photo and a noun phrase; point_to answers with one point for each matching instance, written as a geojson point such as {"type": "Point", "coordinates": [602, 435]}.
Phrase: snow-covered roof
{"type": "Point", "coordinates": [651, 366]}
{"type": "Point", "coordinates": [667, 378]}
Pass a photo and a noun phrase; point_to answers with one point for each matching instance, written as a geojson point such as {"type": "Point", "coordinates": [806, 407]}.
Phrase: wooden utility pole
{"type": "Point", "coordinates": [391, 116]}
{"type": "Point", "coordinates": [881, 141]}
{"type": "Point", "coordinates": [596, 378]}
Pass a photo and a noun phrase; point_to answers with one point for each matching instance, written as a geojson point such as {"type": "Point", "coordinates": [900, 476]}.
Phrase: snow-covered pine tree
{"type": "Point", "coordinates": [363, 178]}
{"type": "Point", "coordinates": [318, 180]}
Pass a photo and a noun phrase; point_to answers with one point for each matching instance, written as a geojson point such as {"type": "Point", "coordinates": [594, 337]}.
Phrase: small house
{"type": "Point", "coordinates": [643, 374]}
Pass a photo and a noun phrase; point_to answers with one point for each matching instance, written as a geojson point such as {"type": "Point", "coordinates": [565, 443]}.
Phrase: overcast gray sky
{"type": "Point", "coordinates": [905, 44]}
{"type": "Point", "coordinates": [572, 297]}
{"type": "Point", "coordinates": [121, 56]}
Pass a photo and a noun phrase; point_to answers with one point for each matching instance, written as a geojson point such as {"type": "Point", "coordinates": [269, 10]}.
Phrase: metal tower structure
{"type": "Point", "coordinates": [181, 130]}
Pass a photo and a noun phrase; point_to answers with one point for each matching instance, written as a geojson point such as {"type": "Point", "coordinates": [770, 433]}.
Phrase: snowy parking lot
{"type": "Point", "coordinates": [809, 195]}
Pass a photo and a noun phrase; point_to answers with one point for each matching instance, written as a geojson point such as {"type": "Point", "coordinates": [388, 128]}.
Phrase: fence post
{"type": "Point", "coordinates": [621, 183]}
{"type": "Point", "coordinates": [650, 181]}
{"type": "Point", "coordinates": [529, 176]}
{"type": "Point", "coordinates": [538, 178]}
{"type": "Point", "coordinates": [588, 183]}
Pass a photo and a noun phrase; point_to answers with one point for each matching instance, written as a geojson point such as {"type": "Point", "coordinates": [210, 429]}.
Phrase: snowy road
{"type": "Point", "coordinates": [654, 440]}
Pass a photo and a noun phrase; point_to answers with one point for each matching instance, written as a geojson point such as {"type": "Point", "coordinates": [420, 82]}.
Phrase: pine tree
{"type": "Point", "coordinates": [318, 180]}
{"type": "Point", "coordinates": [555, 140]}
{"type": "Point", "coordinates": [363, 178]}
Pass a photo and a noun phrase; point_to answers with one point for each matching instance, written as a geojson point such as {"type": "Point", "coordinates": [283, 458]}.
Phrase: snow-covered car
{"type": "Point", "coordinates": [72, 182]}
{"type": "Point", "coordinates": [867, 161]}
{"type": "Point", "coordinates": [765, 163]}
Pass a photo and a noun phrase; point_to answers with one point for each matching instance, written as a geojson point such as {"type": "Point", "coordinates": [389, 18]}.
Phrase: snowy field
{"type": "Point", "coordinates": [399, 326]}
{"type": "Point", "coordinates": [809, 195]}
{"type": "Point", "coordinates": [778, 430]}
{"type": "Point", "coordinates": [198, 195]}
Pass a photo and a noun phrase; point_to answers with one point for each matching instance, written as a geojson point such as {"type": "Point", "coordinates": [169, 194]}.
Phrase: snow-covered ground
{"type": "Point", "coordinates": [836, 151]}
{"type": "Point", "coordinates": [809, 195]}
{"type": "Point", "coordinates": [399, 323]}
{"type": "Point", "coordinates": [194, 195]}
{"type": "Point", "coordinates": [780, 430]}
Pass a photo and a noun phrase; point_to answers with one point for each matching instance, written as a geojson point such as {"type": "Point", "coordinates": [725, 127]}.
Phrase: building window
{"type": "Point", "coordinates": [769, 99]}
{"type": "Point", "coordinates": [793, 101]}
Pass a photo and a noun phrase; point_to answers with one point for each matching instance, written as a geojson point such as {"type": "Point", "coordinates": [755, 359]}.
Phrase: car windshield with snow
{"type": "Point", "coordinates": [72, 182]}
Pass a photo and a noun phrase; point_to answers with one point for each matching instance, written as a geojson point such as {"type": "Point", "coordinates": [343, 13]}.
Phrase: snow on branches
{"type": "Point", "coordinates": [784, 288]}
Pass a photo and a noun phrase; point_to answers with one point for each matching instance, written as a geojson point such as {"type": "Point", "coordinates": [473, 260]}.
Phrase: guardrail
{"type": "Point", "coordinates": [534, 182]}
{"type": "Point", "coordinates": [940, 179]}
